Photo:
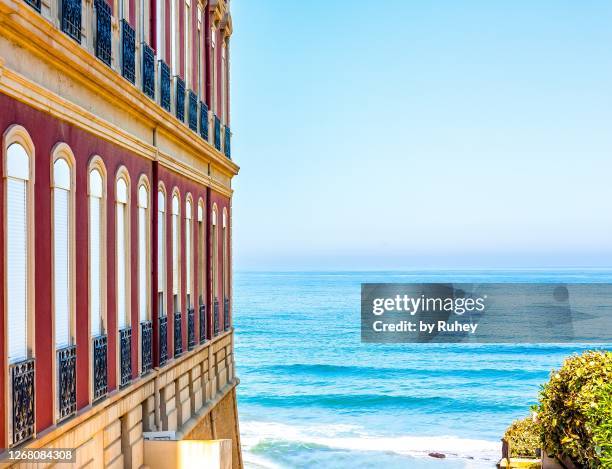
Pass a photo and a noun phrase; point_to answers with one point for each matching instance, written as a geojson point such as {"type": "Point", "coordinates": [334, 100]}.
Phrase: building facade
{"type": "Point", "coordinates": [115, 252]}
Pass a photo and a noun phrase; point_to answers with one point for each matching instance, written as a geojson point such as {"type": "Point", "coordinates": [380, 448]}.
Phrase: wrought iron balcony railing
{"type": "Point", "coordinates": [103, 31]}
{"type": "Point", "coordinates": [202, 323]}
{"type": "Point", "coordinates": [125, 356]}
{"type": "Point", "coordinates": [71, 18]}
{"type": "Point", "coordinates": [146, 346]}
{"type": "Point", "coordinates": [22, 396]}
{"type": "Point", "coordinates": [216, 316]}
{"type": "Point", "coordinates": [190, 329]}
{"type": "Point", "coordinates": [164, 85]}
{"type": "Point", "coordinates": [100, 345]}
{"type": "Point", "coordinates": [226, 315]}
{"type": "Point", "coordinates": [178, 334]}
{"type": "Point", "coordinates": [128, 52]}
{"type": "Point", "coordinates": [203, 121]}
{"type": "Point", "coordinates": [34, 4]}
{"type": "Point", "coordinates": [148, 71]}
{"type": "Point", "coordinates": [179, 97]}
{"type": "Point", "coordinates": [163, 340]}
{"type": "Point", "coordinates": [227, 149]}
{"type": "Point", "coordinates": [193, 111]}
{"type": "Point", "coordinates": [66, 381]}
{"type": "Point", "coordinates": [217, 133]}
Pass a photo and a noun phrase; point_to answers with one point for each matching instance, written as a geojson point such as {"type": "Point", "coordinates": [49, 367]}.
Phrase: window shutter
{"type": "Point", "coordinates": [17, 269]}
{"type": "Point", "coordinates": [61, 198]}
{"type": "Point", "coordinates": [175, 254]}
{"type": "Point", "coordinates": [121, 262]}
{"type": "Point", "coordinates": [161, 249]}
{"type": "Point", "coordinates": [95, 266]}
{"type": "Point", "coordinates": [142, 263]}
{"type": "Point", "coordinates": [188, 253]}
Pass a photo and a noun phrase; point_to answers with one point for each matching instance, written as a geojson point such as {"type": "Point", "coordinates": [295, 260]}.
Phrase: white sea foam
{"type": "Point", "coordinates": [353, 438]}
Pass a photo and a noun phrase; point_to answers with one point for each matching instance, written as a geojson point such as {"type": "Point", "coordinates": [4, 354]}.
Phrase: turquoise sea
{"type": "Point", "coordinates": [313, 396]}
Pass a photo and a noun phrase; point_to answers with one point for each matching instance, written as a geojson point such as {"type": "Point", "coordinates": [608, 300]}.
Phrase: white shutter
{"type": "Point", "coordinates": [95, 265]}
{"type": "Point", "coordinates": [142, 263]}
{"type": "Point", "coordinates": [61, 271]}
{"type": "Point", "coordinates": [17, 269]}
{"type": "Point", "coordinates": [161, 249]}
{"type": "Point", "coordinates": [175, 254]}
{"type": "Point", "coordinates": [188, 253]}
{"type": "Point", "coordinates": [121, 262]}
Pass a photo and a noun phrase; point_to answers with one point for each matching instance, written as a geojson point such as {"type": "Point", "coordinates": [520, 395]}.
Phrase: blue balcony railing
{"type": "Point", "coordinates": [66, 382]}
{"type": "Point", "coordinates": [193, 111]}
{"type": "Point", "coordinates": [163, 340]}
{"type": "Point", "coordinates": [103, 31]}
{"type": "Point", "coordinates": [128, 52]}
{"type": "Point", "coordinates": [146, 344]}
{"type": "Point", "coordinates": [125, 356]}
{"type": "Point", "coordinates": [227, 135]}
{"type": "Point", "coordinates": [178, 334]}
{"type": "Point", "coordinates": [71, 18]}
{"type": "Point", "coordinates": [100, 361]}
{"type": "Point", "coordinates": [203, 121]}
{"type": "Point", "coordinates": [22, 400]}
{"type": "Point", "coordinates": [148, 71]}
{"type": "Point", "coordinates": [179, 96]}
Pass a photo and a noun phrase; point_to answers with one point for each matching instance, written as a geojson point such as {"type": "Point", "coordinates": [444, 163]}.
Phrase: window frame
{"type": "Point", "coordinates": [163, 245]}
{"type": "Point", "coordinates": [122, 174]}
{"type": "Point", "coordinates": [17, 134]}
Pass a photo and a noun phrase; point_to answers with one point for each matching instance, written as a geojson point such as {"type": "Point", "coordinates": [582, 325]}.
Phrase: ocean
{"type": "Point", "coordinates": [313, 396]}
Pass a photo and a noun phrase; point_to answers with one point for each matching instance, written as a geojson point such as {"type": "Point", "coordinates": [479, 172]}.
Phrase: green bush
{"type": "Point", "coordinates": [575, 408]}
{"type": "Point", "coordinates": [523, 438]}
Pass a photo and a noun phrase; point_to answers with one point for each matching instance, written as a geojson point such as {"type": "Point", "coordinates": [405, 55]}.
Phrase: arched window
{"type": "Point", "coordinates": [19, 154]}
{"type": "Point", "coordinates": [63, 240]}
{"type": "Point", "coordinates": [122, 249]}
{"type": "Point", "coordinates": [161, 251]}
{"type": "Point", "coordinates": [143, 251]}
{"type": "Point", "coordinates": [97, 248]}
{"type": "Point", "coordinates": [176, 250]}
{"type": "Point", "coordinates": [189, 251]}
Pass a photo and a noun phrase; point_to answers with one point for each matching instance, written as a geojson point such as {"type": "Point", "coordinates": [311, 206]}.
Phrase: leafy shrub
{"type": "Point", "coordinates": [523, 438]}
{"type": "Point", "coordinates": [602, 434]}
{"type": "Point", "coordinates": [575, 408]}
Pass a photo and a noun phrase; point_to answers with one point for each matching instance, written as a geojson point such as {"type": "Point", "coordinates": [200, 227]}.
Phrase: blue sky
{"type": "Point", "coordinates": [422, 134]}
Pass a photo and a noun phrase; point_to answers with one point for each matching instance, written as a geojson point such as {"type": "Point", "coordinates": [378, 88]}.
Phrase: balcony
{"type": "Point", "coordinates": [71, 18]}
{"type": "Point", "coordinates": [164, 85]}
{"type": "Point", "coordinates": [202, 322]}
{"type": "Point", "coordinates": [179, 96]}
{"type": "Point", "coordinates": [22, 397]}
{"type": "Point", "coordinates": [148, 71]}
{"type": "Point", "coordinates": [226, 315]}
{"type": "Point", "coordinates": [203, 121]}
{"type": "Point", "coordinates": [163, 340]}
{"type": "Point", "coordinates": [125, 356]}
{"type": "Point", "coordinates": [103, 31]}
{"type": "Point", "coordinates": [146, 346]}
{"type": "Point", "coordinates": [100, 345]}
{"type": "Point", "coordinates": [216, 317]}
{"type": "Point", "coordinates": [178, 334]}
{"type": "Point", "coordinates": [227, 134]}
{"type": "Point", "coordinates": [190, 329]}
{"type": "Point", "coordinates": [66, 382]}
{"type": "Point", "coordinates": [128, 52]}
{"type": "Point", "coordinates": [217, 133]}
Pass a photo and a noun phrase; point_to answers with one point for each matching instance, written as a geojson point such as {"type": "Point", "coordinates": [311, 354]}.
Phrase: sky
{"type": "Point", "coordinates": [421, 134]}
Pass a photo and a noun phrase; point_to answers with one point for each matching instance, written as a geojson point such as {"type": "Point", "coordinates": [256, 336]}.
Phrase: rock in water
{"type": "Point", "coordinates": [437, 455]}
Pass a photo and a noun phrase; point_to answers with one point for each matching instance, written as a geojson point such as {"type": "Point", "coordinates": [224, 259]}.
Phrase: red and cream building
{"type": "Point", "coordinates": [115, 252]}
